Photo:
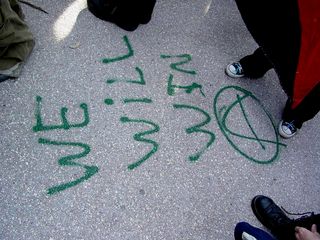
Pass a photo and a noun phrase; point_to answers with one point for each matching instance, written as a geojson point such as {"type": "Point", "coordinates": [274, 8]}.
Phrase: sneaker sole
{"type": "Point", "coordinates": [283, 134]}
{"type": "Point", "coordinates": [230, 74]}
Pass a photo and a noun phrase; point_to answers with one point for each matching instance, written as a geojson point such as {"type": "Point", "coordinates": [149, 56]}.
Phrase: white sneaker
{"type": "Point", "coordinates": [234, 70]}
{"type": "Point", "coordinates": [287, 129]}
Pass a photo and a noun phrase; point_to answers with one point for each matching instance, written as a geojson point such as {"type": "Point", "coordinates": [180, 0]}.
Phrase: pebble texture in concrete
{"type": "Point", "coordinates": [171, 149]}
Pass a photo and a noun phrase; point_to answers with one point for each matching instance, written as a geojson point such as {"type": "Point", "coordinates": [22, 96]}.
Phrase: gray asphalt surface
{"type": "Point", "coordinates": [172, 148]}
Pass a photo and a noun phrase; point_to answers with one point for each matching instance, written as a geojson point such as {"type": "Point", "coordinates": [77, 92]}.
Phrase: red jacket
{"type": "Point", "coordinates": [289, 33]}
{"type": "Point", "coordinates": [308, 74]}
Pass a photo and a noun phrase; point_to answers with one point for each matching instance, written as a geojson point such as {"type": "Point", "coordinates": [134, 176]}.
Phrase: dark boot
{"type": "Point", "coordinates": [272, 217]}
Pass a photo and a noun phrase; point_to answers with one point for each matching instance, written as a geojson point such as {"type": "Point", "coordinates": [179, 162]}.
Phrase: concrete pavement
{"type": "Point", "coordinates": [121, 135]}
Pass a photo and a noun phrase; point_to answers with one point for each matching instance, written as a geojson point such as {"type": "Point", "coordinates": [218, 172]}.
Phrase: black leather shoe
{"type": "Point", "coordinates": [272, 217]}
{"type": "Point", "coordinates": [268, 213]}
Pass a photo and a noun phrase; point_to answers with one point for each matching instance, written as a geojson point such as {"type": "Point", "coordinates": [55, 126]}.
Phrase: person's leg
{"type": "Point", "coordinates": [251, 66]}
{"type": "Point", "coordinates": [276, 220]}
{"type": "Point", "coordinates": [256, 64]}
{"type": "Point", "coordinates": [292, 119]}
{"type": "Point", "coordinates": [244, 231]}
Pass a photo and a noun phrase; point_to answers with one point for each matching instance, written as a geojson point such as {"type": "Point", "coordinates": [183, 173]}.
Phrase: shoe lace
{"type": "Point", "coordinates": [286, 230]}
{"type": "Point", "coordinates": [291, 126]}
{"type": "Point", "coordinates": [238, 68]}
{"type": "Point", "coordinates": [297, 214]}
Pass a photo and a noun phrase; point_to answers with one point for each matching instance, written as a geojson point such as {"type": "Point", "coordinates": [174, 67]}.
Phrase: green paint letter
{"type": "Point", "coordinates": [198, 129]}
{"type": "Point", "coordinates": [176, 66]}
{"type": "Point", "coordinates": [123, 57]}
{"type": "Point", "coordinates": [140, 81]}
{"type": "Point", "coordinates": [188, 89]}
{"type": "Point", "coordinates": [69, 161]}
{"type": "Point", "coordinates": [64, 121]}
{"type": "Point", "coordinates": [140, 137]}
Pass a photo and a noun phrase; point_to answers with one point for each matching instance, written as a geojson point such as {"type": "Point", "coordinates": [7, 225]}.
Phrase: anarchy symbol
{"type": "Point", "coordinates": [237, 99]}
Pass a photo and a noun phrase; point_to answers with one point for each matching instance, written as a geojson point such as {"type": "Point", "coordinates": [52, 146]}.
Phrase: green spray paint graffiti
{"type": "Point", "coordinates": [122, 57]}
{"type": "Point", "coordinates": [140, 137]}
{"type": "Point", "coordinates": [171, 87]}
{"type": "Point", "coordinates": [186, 58]}
{"type": "Point", "coordinates": [141, 80]}
{"type": "Point", "coordinates": [109, 101]}
{"type": "Point", "coordinates": [175, 66]}
{"type": "Point", "coordinates": [222, 113]}
{"type": "Point", "coordinates": [179, 66]}
{"type": "Point", "coordinates": [64, 121]}
{"type": "Point", "coordinates": [137, 100]}
{"type": "Point", "coordinates": [198, 129]}
{"type": "Point", "coordinates": [69, 161]}
{"type": "Point", "coordinates": [188, 89]}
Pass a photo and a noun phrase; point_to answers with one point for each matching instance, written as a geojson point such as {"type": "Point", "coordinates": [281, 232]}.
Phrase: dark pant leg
{"type": "Point", "coordinates": [306, 110]}
{"type": "Point", "coordinates": [256, 64]}
{"type": "Point", "coordinates": [259, 234]}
